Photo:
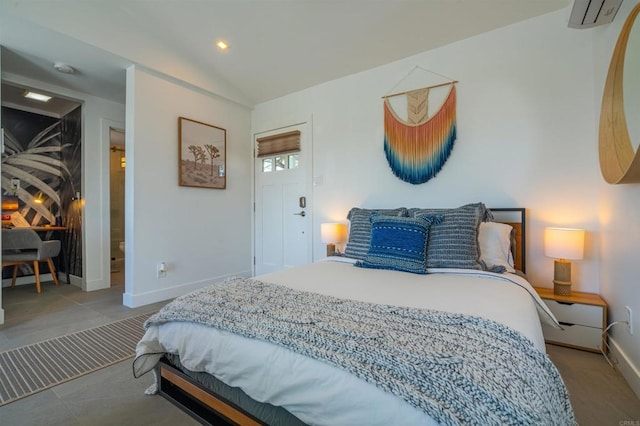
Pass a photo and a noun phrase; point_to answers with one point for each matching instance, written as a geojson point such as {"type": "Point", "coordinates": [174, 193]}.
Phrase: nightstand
{"type": "Point", "coordinates": [582, 315]}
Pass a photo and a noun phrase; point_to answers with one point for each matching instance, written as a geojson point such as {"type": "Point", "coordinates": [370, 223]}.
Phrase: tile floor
{"type": "Point", "coordinates": [111, 396]}
{"type": "Point", "coordinates": [598, 393]}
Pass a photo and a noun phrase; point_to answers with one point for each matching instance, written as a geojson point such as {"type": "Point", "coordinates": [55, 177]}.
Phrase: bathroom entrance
{"type": "Point", "coordinates": [117, 168]}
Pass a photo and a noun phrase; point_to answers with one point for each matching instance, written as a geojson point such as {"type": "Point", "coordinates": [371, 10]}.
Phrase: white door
{"type": "Point", "coordinates": [283, 222]}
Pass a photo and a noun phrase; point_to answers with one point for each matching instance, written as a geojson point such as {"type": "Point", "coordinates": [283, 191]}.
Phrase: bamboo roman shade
{"type": "Point", "coordinates": [282, 143]}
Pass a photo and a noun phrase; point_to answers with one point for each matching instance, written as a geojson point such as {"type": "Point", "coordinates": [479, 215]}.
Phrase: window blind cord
{"type": "Point", "coordinates": [612, 361]}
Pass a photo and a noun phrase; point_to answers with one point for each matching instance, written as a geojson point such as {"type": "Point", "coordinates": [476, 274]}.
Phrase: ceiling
{"type": "Point", "coordinates": [276, 46]}
{"type": "Point", "coordinates": [12, 96]}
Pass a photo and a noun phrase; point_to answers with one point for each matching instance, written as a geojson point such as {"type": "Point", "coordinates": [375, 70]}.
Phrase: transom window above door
{"type": "Point", "coordinates": [279, 152]}
{"type": "Point", "coordinates": [280, 162]}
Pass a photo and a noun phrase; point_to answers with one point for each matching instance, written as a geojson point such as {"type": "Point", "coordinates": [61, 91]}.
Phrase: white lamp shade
{"type": "Point", "coordinates": [564, 243]}
{"type": "Point", "coordinates": [333, 233]}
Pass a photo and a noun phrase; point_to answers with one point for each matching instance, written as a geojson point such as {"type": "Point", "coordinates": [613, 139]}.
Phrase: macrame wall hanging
{"type": "Point", "coordinates": [418, 147]}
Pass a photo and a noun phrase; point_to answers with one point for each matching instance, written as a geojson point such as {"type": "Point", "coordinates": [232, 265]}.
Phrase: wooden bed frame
{"type": "Point", "coordinates": [199, 402]}
{"type": "Point", "coordinates": [210, 408]}
{"type": "Point", "coordinates": [516, 217]}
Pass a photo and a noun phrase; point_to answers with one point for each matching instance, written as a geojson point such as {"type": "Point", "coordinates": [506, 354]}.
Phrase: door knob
{"type": "Point", "coordinates": [302, 213]}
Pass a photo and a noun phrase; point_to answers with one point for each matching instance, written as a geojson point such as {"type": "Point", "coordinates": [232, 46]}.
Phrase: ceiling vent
{"type": "Point", "coordinates": [590, 13]}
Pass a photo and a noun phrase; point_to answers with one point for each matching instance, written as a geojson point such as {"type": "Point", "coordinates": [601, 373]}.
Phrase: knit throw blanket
{"type": "Point", "coordinates": [456, 368]}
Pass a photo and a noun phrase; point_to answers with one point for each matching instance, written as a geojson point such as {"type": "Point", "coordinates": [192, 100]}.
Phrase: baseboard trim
{"type": "Point", "coordinates": [99, 284]}
{"type": "Point", "coordinates": [625, 366]}
{"type": "Point", "coordinates": [142, 299]}
{"type": "Point", "coordinates": [28, 279]}
{"type": "Point", "coordinates": [76, 281]}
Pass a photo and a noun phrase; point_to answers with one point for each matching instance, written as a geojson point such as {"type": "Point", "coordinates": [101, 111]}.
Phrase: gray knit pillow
{"type": "Point", "coordinates": [454, 242]}
{"type": "Point", "coordinates": [360, 229]}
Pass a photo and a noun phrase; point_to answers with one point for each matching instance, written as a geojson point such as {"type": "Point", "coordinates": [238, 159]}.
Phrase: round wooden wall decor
{"type": "Point", "coordinates": [618, 161]}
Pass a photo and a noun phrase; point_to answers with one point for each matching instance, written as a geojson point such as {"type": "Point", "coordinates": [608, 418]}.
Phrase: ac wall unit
{"type": "Point", "coordinates": [590, 13]}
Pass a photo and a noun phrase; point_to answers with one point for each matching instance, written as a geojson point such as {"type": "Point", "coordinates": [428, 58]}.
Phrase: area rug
{"type": "Point", "coordinates": [33, 368]}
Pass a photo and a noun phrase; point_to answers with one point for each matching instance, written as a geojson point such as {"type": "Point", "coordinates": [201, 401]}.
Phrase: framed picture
{"type": "Point", "coordinates": [203, 152]}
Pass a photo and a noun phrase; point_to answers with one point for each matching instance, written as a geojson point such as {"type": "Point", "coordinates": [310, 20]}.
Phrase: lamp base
{"type": "Point", "coordinates": [562, 289]}
{"type": "Point", "coordinates": [331, 250]}
{"type": "Point", "coordinates": [562, 277]}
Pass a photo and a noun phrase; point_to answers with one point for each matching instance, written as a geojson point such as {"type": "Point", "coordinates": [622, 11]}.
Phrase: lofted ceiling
{"type": "Point", "coordinates": [276, 47]}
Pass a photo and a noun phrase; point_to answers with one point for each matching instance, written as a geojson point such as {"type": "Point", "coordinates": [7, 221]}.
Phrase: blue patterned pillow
{"type": "Point", "coordinates": [454, 242]}
{"type": "Point", "coordinates": [360, 229]}
{"type": "Point", "coordinates": [399, 243]}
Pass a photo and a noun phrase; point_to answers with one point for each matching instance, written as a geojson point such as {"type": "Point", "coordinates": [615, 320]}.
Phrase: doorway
{"type": "Point", "coordinates": [42, 167]}
{"type": "Point", "coordinates": [117, 166]}
{"type": "Point", "coordinates": [283, 218]}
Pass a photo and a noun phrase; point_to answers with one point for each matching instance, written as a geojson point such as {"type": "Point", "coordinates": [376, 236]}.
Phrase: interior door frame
{"type": "Point", "coordinates": [102, 263]}
{"type": "Point", "coordinates": [309, 184]}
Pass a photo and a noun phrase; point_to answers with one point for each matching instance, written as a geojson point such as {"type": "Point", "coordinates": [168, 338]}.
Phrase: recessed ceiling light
{"type": "Point", "coordinates": [64, 68]}
{"type": "Point", "coordinates": [36, 96]}
{"type": "Point", "coordinates": [222, 45]}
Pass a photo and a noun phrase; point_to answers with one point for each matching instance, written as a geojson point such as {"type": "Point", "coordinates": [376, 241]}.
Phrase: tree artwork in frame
{"type": "Point", "coordinates": [203, 151]}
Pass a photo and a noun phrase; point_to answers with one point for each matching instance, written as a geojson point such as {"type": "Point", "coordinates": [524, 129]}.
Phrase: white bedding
{"type": "Point", "coordinates": [316, 392]}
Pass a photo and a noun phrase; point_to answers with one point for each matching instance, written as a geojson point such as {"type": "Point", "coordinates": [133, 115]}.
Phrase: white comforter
{"type": "Point", "coordinates": [316, 392]}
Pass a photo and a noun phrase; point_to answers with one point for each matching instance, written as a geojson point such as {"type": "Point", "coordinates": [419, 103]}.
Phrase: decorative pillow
{"type": "Point", "coordinates": [454, 242]}
{"type": "Point", "coordinates": [494, 239]}
{"type": "Point", "coordinates": [360, 229]}
{"type": "Point", "coordinates": [398, 243]}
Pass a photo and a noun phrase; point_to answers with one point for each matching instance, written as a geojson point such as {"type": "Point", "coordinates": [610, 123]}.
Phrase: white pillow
{"type": "Point", "coordinates": [494, 240]}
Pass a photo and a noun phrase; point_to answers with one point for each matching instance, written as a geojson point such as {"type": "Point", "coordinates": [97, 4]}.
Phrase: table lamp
{"type": "Point", "coordinates": [563, 244]}
{"type": "Point", "coordinates": [40, 198]}
{"type": "Point", "coordinates": [332, 234]}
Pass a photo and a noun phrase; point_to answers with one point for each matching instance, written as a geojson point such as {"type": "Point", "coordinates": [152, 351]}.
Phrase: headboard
{"type": "Point", "coordinates": [516, 217]}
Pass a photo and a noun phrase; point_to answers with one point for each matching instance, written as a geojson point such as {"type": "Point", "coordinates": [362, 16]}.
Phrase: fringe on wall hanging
{"type": "Point", "coordinates": [417, 148]}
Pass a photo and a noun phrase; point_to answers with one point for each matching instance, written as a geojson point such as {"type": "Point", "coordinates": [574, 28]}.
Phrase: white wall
{"type": "Point", "coordinates": [202, 234]}
{"type": "Point", "coordinates": [619, 211]}
{"type": "Point", "coordinates": [95, 179]}
{"type": "Point", "coordinates": [526, 135]}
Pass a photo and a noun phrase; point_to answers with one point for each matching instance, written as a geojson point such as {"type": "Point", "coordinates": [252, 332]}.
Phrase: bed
{"type": "Point", "coordinates": [348, 340]}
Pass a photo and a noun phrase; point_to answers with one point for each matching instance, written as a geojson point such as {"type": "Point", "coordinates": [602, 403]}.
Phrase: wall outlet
{"type": "Point", "coordinates": [629, 319]}
{"type": "Point", "coordinates": [162, 269]}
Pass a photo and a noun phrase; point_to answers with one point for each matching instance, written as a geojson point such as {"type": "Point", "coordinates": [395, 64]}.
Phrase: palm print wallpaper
{"type": "Point", "coordinates": [45, 154]}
